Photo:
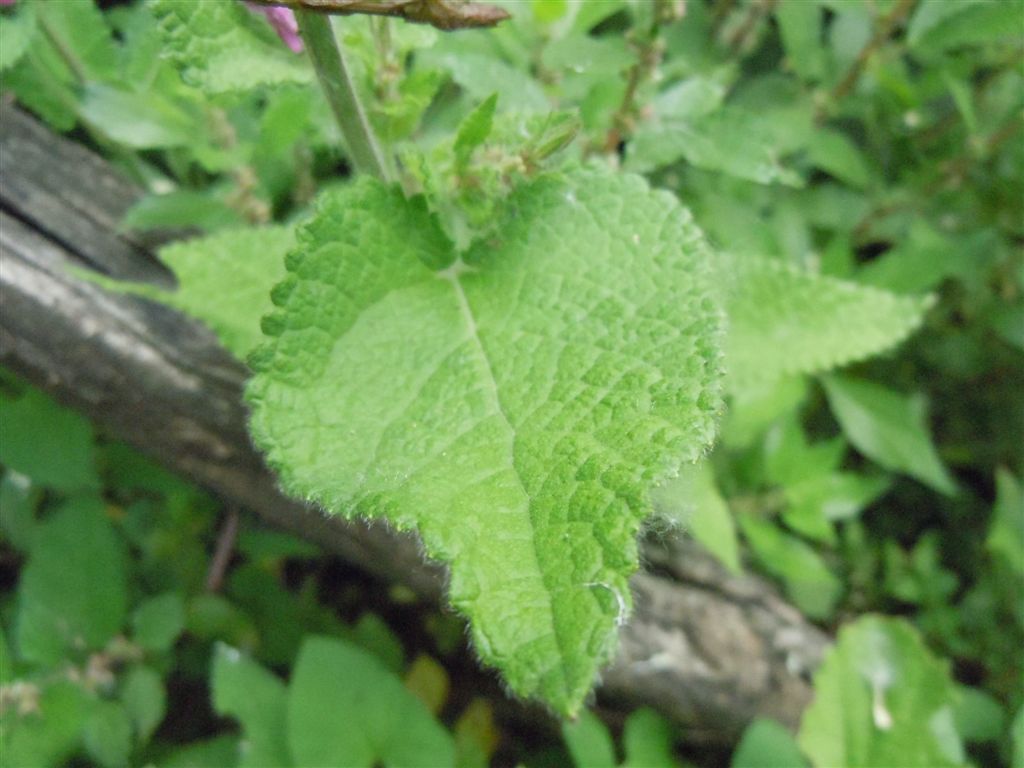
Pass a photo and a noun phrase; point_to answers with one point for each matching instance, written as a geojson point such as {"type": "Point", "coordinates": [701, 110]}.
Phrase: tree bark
{"type": "Point", "coordinates": [707, 649]}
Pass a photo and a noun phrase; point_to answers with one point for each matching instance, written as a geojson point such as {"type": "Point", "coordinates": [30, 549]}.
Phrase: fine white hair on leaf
{"type": "Point", "coordinates": [623, 610]}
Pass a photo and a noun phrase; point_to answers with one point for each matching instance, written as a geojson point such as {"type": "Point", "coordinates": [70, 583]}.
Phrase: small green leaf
{"type": "Point", "coordinates": [589, 742]}
{"type": "Point", "coordinates": [560, 368]}
{"type": "Point", "coordinates": [73, 593]}
{"type": "Point", "coordinates": [212, 617]}
{"type": "Point", "coordinates": [158, 621]}
{"type": "Point", "coordinates": [1017, 739]}
{"type": "Point", "coordinates": [922, 260]}
{"type": "Point", "coordinates": [47, 737]}
{"type": "Point", "coordinates": [800, 25]}
{"type": "Point", "coordinates": [345, 708]}
{"type": "Point", "coordinates": [372, 634]}
{"type": "Point", "coordinates": [588, 57]}
{"type": "Point", "coordinates": [43, 88]}
{"type": "Point", "coordinates": [108, 734]}
{"type": "Point", "coordinates": [918, 577]}
{"type": "Point", "coordinates": [727, 140]}
{"type": "Point", "coordinates": [938, 25]}
{"type": "Point", "coordinates": [783, 320]}
{"type": "Point", "coordinates": [979, 717]}
{"type": "Point", "coordinates": [482, 75]}
{"type": "Point", "coordinates": [428, 681]}
{"type": "Point", "coordinates": [218, 752]}
{"type": "Point", "coordinates": [220, 47]}
{"type": "Point", "coordinates": [759, 404]}
{"type": "Point", "coordinates": [7, 671]}
{"type": "Point", "coordinates": [889, 428]}
{"type": "Point", "coordinates": [475, 129]}
{"type": "Point", "coordinates": [254, 260]}
{"type": "Point", "coordinates": [244, 690]}
{"type": "Point", "coordinates": [837, 495]}
{"type": "Point", "coordinates": [81, 33]}
{"type": "Point", "coordinates": [136, 120]}
{"type": "Point", "coordinates": [18, 502]}
{"type": "Point", "coordinates": [266, 547]}
{"type": "Point", "coordinates": [648, 740]}
{"type": "Point", "coordinates": [693, 500]}
{"type": "Point", "coordinates": [881, 698]}
{"type": "Point", "coordinates": [1006, 531]}
{"type": "Point", "coordinates": [766, 744]}
{"type": "Point", "coordinates": [47, 443]}
{"type": "Point", "coordinates": [789, 458]}
{"type": "Point", "coordinates": [145, 700]}
{"type": "Point", "coordinates": [809, 581]}
{"type": "Point", "coordinates": [17, 31]}
{"type": "Point", "coordinates": [548, 11]}
{"type": "Point", "coordinates": [476, 735]}
{"type": "Point", "coordinates": [834, 153]}
{"type": "Point", "coordinates": [178, 209]}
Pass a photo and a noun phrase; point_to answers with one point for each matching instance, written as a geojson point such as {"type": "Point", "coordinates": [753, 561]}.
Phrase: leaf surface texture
{"type": "Point", "coordinates": [783, 320]}
{"type": "Point", "coordinates": [220, 47]}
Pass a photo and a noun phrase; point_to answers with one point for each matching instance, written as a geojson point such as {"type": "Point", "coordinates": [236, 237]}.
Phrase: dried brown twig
{"type": "Point", "coordinates": [443, 14]}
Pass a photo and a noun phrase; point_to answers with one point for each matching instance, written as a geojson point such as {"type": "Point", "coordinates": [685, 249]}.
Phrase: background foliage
{"type": "Point", "coordinates": [858, 166]}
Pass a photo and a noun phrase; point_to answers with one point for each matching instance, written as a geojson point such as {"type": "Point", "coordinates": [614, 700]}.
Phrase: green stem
{"type": "Point", "coordinates": [69, 58]}
{"type": "Point", "coordinates": [334, 77]}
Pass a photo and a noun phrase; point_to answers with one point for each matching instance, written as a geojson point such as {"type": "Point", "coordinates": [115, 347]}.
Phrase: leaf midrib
{"type": "Point", "coordinates": [451, 275]}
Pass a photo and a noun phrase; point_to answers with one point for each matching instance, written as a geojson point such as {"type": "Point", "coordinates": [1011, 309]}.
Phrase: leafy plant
{"type": "Point", "coordinates": [502, 335]}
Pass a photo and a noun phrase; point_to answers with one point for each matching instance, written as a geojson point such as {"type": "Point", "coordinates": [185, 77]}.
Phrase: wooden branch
{"type": "Point", "coordinates": [448, 15]}
{"type": "Point", "coordinates": [707, 649]}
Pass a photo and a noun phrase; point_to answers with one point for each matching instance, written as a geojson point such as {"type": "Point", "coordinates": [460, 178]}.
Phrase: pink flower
{"type": "Point", "coordinates": [281, 19]}
{"type": "Point", "coordinates": [8, 2]}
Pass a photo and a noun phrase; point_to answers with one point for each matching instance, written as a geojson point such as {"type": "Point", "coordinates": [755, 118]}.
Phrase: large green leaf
{"type": "Point", "coordinates": [881, 698]}
{"type": "Point", "coordinates": [221, 47]}
{"type": "Point", "coordinates": [346, 708]}
{"type": "Point", "coordinates": [783, 320]}
{"type": "Point", "coordinates": [889, 428]}
{"type": "Point", "coordinates": [515, 405]}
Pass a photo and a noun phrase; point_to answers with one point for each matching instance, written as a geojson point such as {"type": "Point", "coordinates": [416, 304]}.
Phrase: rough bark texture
{"type": "Point", "coordinates": [705, 648]}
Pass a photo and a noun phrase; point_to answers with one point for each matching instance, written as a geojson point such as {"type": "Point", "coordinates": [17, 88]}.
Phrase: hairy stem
{"type": "Point", "coordinates": [649, 48]}
{"type": "Point", "coordinates": [331, 70]}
